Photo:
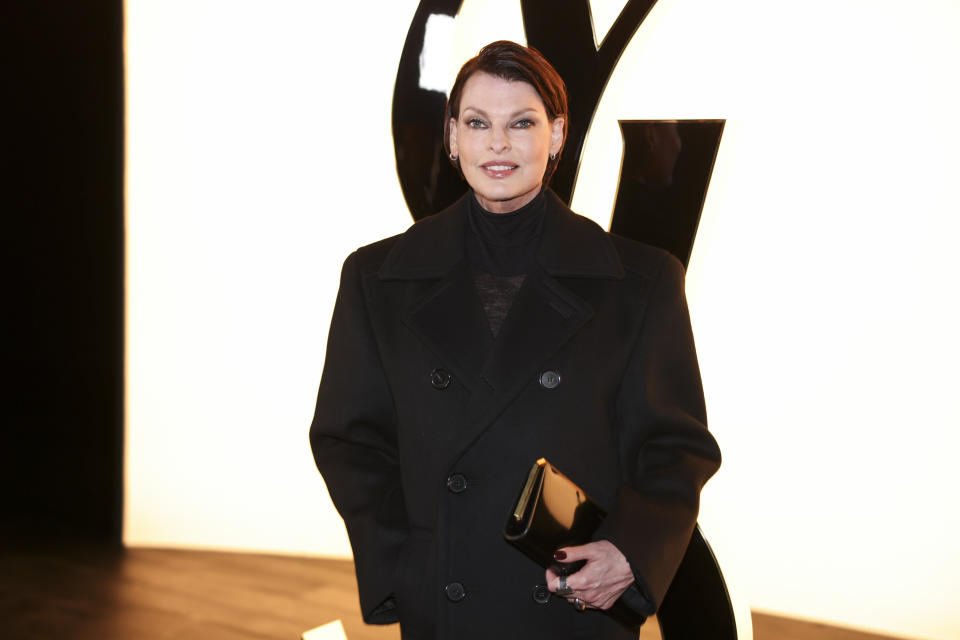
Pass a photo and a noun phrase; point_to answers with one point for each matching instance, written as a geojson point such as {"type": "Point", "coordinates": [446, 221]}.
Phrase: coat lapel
{"type": "Point", "coordinates": [544, 316]}
{"type": "Point", "coordinates": [450, 320]}
{"type": "Point", "coordinates": [448, 317]}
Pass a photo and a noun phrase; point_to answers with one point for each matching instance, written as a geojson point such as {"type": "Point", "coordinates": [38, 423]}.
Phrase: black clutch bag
{"type": "Point", "coordinates": [551, 512]}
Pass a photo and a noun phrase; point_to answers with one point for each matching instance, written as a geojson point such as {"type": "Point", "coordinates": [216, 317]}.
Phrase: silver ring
{"type": "Point", "coordinates": [564, 589]}
{"type": "Point", "coordinates": [579, 604]}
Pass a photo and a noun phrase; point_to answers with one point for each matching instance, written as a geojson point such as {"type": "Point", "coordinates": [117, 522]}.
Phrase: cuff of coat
{"type": "Point", "coordinates": [636, 599]}
{"type": "Point", "coordinates": [384, 613]}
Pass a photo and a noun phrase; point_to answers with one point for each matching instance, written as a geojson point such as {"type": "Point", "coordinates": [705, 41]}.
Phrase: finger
{"type": "Point", "coordinates": [589, 577]}
{"type": "Point", "coordinates": [574, 553]}
{"type": "Point", "coordinates": [553, 581]}
{"type": "Point", "coordinates": [555, 584]}
{"type": "Point", "coordinates": [589, 581]}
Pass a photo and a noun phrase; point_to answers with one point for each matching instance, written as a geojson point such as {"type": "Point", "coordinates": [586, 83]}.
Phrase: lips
{"type": "Point", "coordinates": [499, 169]}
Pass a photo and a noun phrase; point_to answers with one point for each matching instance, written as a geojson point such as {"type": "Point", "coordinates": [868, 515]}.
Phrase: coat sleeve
{"type": "Point", "coordinates": [353, 437]}
{"type": "Point", "coordinates": [666, 452]}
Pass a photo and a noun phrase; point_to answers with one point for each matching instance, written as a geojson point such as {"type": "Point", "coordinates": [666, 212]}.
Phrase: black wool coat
{"type": "Point", "coordinates": [426, 425]}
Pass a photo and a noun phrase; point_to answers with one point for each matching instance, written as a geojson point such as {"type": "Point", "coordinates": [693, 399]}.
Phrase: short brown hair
{"type": "Point", "coordinates": [514, 62]}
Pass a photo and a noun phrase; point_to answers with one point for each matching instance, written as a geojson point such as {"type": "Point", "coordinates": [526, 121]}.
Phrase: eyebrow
{"type": "Point", "coordinates": [512, 115]}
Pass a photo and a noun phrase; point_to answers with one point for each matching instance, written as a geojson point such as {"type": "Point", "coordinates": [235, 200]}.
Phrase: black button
{"type": "Point", "coordinates": [541, 595]}
{"type": "Point", "coordinates": [457, 483]}
{"type": "Point", "coordinates": [440, 378]}
{"type": "Point", "coordinates": [550, 379]}
{"type": "Point", "coordinates": [455, 592]}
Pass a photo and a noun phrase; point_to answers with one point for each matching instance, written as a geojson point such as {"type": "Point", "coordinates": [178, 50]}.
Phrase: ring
{"type": "Point", "coordinates": [564, 589]}
{"type": "Point", "coordinates": [579, 604]}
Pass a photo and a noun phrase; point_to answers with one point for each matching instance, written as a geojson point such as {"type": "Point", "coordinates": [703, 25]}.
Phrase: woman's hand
{"type": "Point", "coordinates": [601, 581]}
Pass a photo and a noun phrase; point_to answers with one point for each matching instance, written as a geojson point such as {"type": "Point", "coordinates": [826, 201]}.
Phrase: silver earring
{"type": "Point", "coordinates": [453, 158]}
{"type": "Point", "coordinates": [553, 157]}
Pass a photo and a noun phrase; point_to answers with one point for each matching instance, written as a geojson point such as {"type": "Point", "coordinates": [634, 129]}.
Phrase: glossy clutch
{"type": "Point", "coordinates": [551, 512]}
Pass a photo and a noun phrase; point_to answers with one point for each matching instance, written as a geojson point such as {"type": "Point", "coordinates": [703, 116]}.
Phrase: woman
{"type": "Point", "coordinates": [501, 330]}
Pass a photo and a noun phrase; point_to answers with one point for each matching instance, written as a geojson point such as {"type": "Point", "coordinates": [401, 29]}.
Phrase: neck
{"type": "Point", "coordinates": [507, 206]}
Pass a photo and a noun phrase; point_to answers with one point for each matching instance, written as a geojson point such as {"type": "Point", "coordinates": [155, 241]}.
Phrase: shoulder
{"type": "Point", "coordinates": [645, 260]}
{"type": "Point", "coordinates": [576, 245]}
{"type": "Point", "coordinates": [370, 257]}
{"type": "Point", "coordinates": [423, 244]}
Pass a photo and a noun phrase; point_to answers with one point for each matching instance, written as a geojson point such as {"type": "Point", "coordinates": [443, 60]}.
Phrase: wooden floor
{"type": "Point", "coordinates": [161, 594]}
{"type": "Point", "coordinates": [771, 627]}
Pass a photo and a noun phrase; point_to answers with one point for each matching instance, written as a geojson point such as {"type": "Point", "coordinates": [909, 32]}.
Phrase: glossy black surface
{"type": "Point", "coordinates": [558, 514]}
{"type": "Point", "coordinates": [697, 604]}
{"type": "Point", "coordinates": [664, 175]}
{"type": "Point", "coordinates": [428, 180]}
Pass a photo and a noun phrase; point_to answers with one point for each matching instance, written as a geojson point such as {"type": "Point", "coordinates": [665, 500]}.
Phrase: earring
{"type": "Point", "coordinates": [453, 158]}
{"type": "Point", "coordinates": [553, 157]}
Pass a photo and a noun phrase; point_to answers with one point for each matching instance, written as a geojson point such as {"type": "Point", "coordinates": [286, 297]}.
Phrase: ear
{"type": "Point", "coordinates": [452, 124]}
{"type": "Point", "coordinates": [556, 135]}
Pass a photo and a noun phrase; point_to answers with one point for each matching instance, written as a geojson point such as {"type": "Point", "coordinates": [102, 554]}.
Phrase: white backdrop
{"type": "Point", "coordinates": [822, 283]}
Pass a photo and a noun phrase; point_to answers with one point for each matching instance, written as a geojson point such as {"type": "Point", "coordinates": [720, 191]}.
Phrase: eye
{"type": "Point", "coordinates": [524, 123]}
{"type": "Point", "coordinates": [476, 123]}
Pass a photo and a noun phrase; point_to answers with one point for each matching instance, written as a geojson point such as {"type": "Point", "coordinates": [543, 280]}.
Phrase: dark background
{"type": "Point", "coordinates": [61, 449]}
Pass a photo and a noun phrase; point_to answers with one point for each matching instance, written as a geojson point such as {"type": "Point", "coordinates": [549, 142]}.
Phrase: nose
{"type": "Point", "coordinates": [499, 141]}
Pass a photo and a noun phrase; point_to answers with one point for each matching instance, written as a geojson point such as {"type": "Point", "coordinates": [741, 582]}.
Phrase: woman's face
{"type": "Point", "coordinates": [503, 138]}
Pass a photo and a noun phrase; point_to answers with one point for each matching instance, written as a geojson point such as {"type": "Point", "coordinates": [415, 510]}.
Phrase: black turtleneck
{"type": "Point", "coordinates": [505, 244]}
{"type": "Point", "coordinates": [501, 249]}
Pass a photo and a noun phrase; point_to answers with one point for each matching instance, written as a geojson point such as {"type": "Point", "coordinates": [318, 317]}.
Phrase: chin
{"type": "Point", "coordinates": [503, 193]}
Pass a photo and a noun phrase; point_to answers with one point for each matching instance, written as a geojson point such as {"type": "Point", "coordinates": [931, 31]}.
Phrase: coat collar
{"type": "Point", "coordinates": [572, 246]}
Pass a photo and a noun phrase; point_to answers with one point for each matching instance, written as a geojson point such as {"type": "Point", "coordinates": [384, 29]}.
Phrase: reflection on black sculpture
{"type": "Point", "coordinates": [428, 180]}
{"type": "Point", "coordinates": [664, 175]}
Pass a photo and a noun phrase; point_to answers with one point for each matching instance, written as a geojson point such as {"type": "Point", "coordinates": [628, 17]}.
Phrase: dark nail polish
{"type": "Point", "coordinates": [560, 555]}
